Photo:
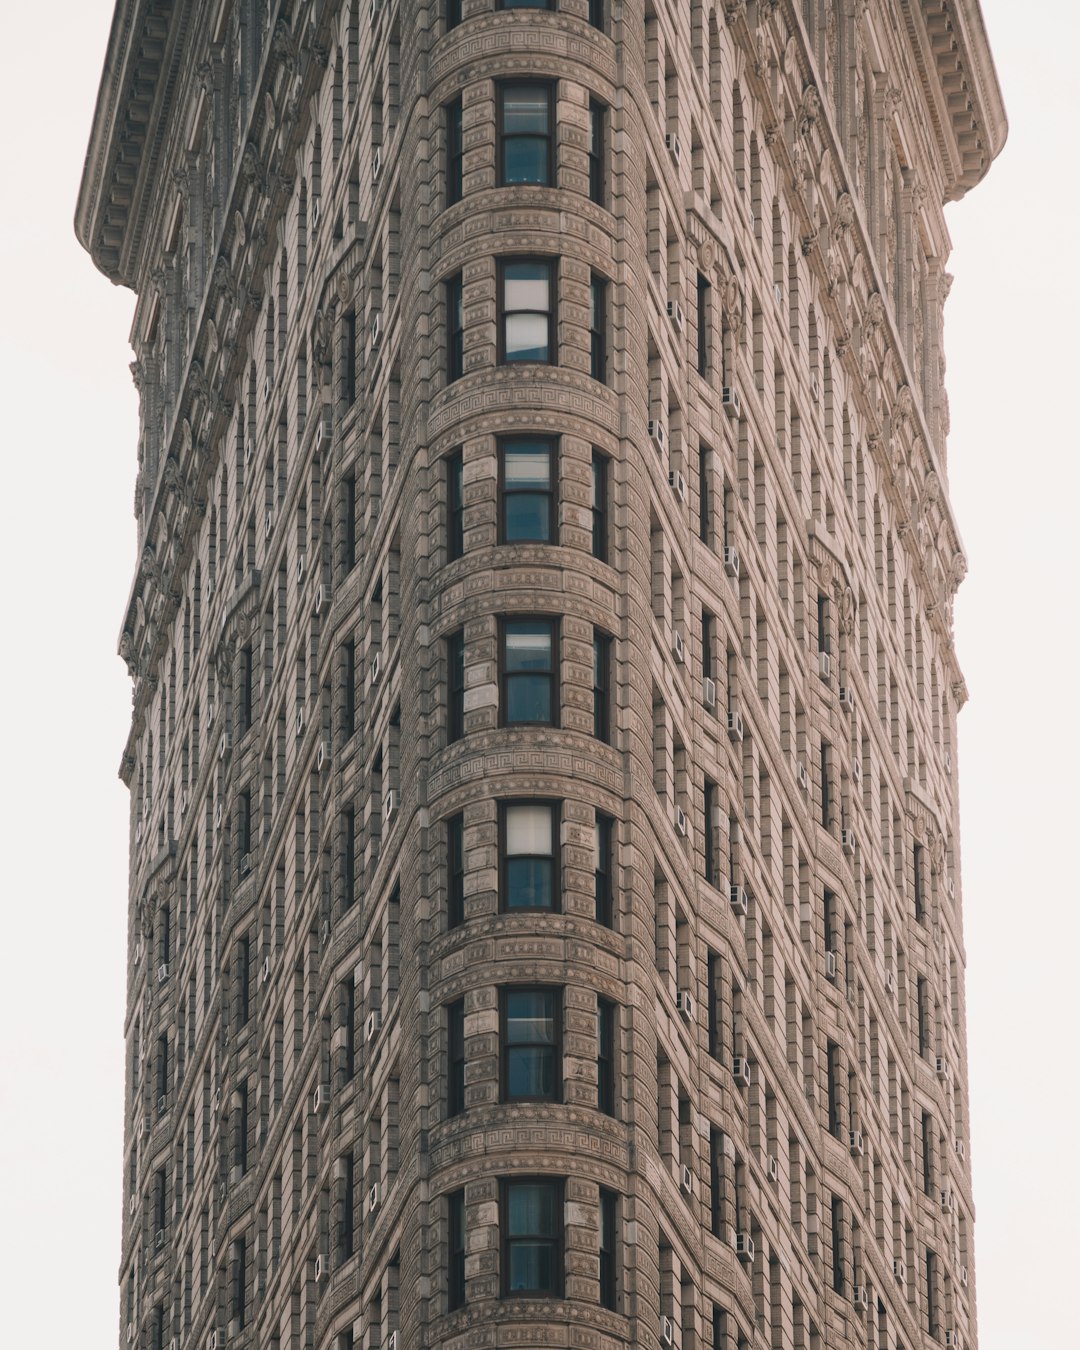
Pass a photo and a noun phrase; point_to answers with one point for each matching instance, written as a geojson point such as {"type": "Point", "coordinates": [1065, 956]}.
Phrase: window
{"type": "Point", "coordinates": [529, 662]}
{"type": "Point", "coordinates": [455, 330]}
{"type": "Point", "coordinates": [832, 1064]}
{"type": "Point", "coordinates": [527, 310]}
{"type": "Point", "coordinates": [599, 506]}
{"type": "Point", "coordinates": [598, 329]}
{"type": "Point", "coordinates": [453, 14]}
{"type": "Point", "coordinates": [532, 1258]}
{"type": "Point", "coordinates": [602, 686]}
{"type": "Point", "coordinates": [603, 862]}
{"type": "Point", "coordinates": [455, 871]}
{"type": "Point", "coordinates": [455, 506]}
{"type": "Point", "coordinates": [530, 879]}
{"type": "Point", "coordinates": [243, 981]}
{"type": "Point", "coordinates": [712, 819]}
{"type": "Point", "coordinates": [454, 152]}
{"type": "Point", "coordinates": [704, 320]}
{"type": "Point", "coordinates": [348, 357]}
{"type": "Point", "coordinates": [531, 1052]}
{"type": "Point", "coordinates": [826, 792]}
{"type": "Point", "coordinates": [837, 1245]}
{"type": "Point", "coordinates": [244, 839]}
{"type": "Point", "coordinates": [455, 686]}
{"type": "Point", "coordinates": [525, 4]}
{"type": "Point", "coordinates": [455, 1275]}
{"type": "Point", "coordinates": [922, 1014]}
{"type": "Point", "coordinates": [608, 1270]}
{"type": "Point", "coordinates": [705, 495]}
{"type": "Point", "coordinates": [349, 508]}
{"type": "Point", "coordinates": [347, 1231]}
{"type": "Point", "coordinates": [455, 1058]}
{"type": "Point", "coordinates": [527, 482]}
{"type": "Point", "coordinates": [348, 860]}
{"type": "Point", "coordinates": [348, 680]}
{"type": "Point", "coordinates": [597, 138]}
{"type": "Point", "coordinates": [596, 14]}
{"type": "Point", "coordinates": [244, 698]}
{"type": "Point", "coordinates": [927, 1153]}
{"type": "Point", "coordinates": [605, 1056]}
{"type": "Point", "coordinates": [526, 144]}
{"type": "Point", "coordinates": [920, 887]}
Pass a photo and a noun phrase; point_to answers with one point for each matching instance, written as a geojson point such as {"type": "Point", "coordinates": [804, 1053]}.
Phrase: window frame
{"type": "Point", "coordinates": [551, 443]}
{"type": "Point", "coordinates": [604, 874]}
{"type": "Point", "coordinates": [601, 477]}
{"type": "Point", "coordinates": [455, 1248]}
{"type": "Point", "coordinates": [603, 662]}
{"type": "Point", "coordinates": [597, 151]}
{"type": "Point", "coordinates": [454, 298]}
{"type": "Point", "coordinates": [455, 870]}
{"type": "Point", "coordinates": [452, 15]}
{"type": "Point", "coordinates": [599, 294]}
{"type": "Point", "coordinates": [455, 685]}
{"type": "Point", "coordinates": [455, 504]}
{"type": "Point", "coordinates": [552, 675]}
{"type": "Point", "coordinates": [455, 1058]}
{"type": "Point", "coordinates": [509, 4]}
{"type": "Point", "coordinates": [501, 137]}
{"type": "Point", "coordinates": [551, 262]}
{"type": "Point", "coordinates": [556, 1047]}
{"type": "Point", "coordinates": [607, 1025]}
{"type": "Point", "coordinates": [554, 807]}
{"type": "Point", "coordinates": [608, 1243]}
{"type": "Point", "coordinates": [506, 1241]}
{"type": "Point", "coordinates": [455, 151]}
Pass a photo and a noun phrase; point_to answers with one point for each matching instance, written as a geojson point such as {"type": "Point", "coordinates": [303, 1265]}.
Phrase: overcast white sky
{"type": "Point", "coordinates": [66, 555]}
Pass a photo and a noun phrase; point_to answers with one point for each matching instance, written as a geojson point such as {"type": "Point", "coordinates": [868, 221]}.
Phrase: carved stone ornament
{"type": "Point", "coordinates": [128, 654]}
{"type": "Point", "coordinates": [809, 108]}
{"type": "Point", "coordinates": [772, 130]}
{"type": "Point", "coordinates": [137, 375]}
{"type": "Point", "coordinates": [808, 243]}
{"type": "Point", "coordinates": [707, 255]}
{"type": "Point", "coordinates": [891, 100]}
{"type": "Point", "coordinates": [734, 9]}
{"type": "Point", "coordinates": [344, 287]}
{"type": "Point", "coordinates": [902, 403]}
{"type": "Point", "coordinates": [847, 611]}
{"type": "Point", "coordinates": [843, 214]}
{"type": "Point", "coordinates": [251, 166]}
{"type": "Point", "coordinates": [283, 44]}
{"type": "Point", "coordinates": [875, 311]}
{"type": "Point", "coordinates": [937, 853]}
{"type": "Point", "coordinates": [957, 570]}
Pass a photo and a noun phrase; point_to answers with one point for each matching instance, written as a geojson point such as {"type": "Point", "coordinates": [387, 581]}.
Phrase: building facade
{"type": "Point", "coordinates": [544, 910]}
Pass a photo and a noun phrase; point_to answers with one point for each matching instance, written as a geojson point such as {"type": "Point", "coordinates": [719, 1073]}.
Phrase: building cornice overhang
{"type": "Point", "coordinates": [963, 97]}
{"type": "Point", "coordinates": [138, 83]}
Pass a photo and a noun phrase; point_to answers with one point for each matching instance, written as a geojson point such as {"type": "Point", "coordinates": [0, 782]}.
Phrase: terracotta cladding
{"type": "Point", "coordinates": [759, 1063]}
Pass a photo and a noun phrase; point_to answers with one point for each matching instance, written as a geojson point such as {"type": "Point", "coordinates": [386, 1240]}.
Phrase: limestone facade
{"type": "Point", "coordinates": [544, 909]}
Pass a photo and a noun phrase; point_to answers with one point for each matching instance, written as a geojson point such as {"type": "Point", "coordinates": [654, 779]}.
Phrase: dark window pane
{"type": "Point", "coordinates": [531, 1045]}
{"type": "Point", "coordinates": [525, 159]}
{"type": "Point", "coordinates": [528, 883]}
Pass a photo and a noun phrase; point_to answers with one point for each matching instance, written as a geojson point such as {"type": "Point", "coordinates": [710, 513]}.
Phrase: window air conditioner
{"type": "Point", "coordinates": [320, 1099]}
{"type": "Point", "coordinates": [856, 769]}
{"type": "Point", "coordinates": [390, 805]}
{"type": "Point", "coordinates": [778, 293]}
{"type": "Point", "coordinates": [675, 314]}
{"type": "Point", "coordinates": [830, 966]}
{"type": "Point", "coordinates": [952, 1339]}
{"type": "Point", "coordinates": [322, 755]}
{"type": "Point", "coordinates": [268, 524]}
{"type": "Point", "coordinates": [855, 1143]}
{"type": "Point", "coordinates": [372, 1025]}
{"type": "Point", "coordinates": [899, 1269]}
{"type": "Point", "coordinates": [686, 1181]}
{"type": "Point", "coordinates": [300, 720]}
{"type": "Point", "coordinates": [678, 484]}
{"type": "Point", "coordinates": [376, 328]}
{"type": "Point", "coordinates": [667, 1331]}
{"type": "Point", "coordinates": [708, 691]}
{"type": "Point", "coordinates": [673, 144]}
{"type": "Point", "coordinates": [657, 434]}
{"type": "Point", "coordinates": [890, 982]}
{"type": "Point", "coordinates": [376, 668]}
{"type": "Point", "coordinates": [265, 969]}
{"type": "Point", "coordinates": [739, 901]}
{"type": "Point", "coordinates": [847, 698]}
{"type": "Point", "coordinates": [163, 972]}
{"type": "Point", "coordinates": [941, 1067]}
{"type": "Point", "coordinates": [861, 1298]}
{"type": "Point", "coordinates": [731, 560]}
{"type": "Point", "coordinates": [964, 1276]}
{"type": "Point", "coordinates": [801, 776]}
{"type": "Point", "coordinates": [680, 821]}
{"type": "Point", "coordinates": [734, 724]}
{"type": "Point", "coordinates": [245, 864]}
{"type": "Point", "coordinates": [744, 1246]}
{"type": "Point", "coordinates": [815, 388]}
{"type": "Point", "coordinates": [373, 1197]}
{"type": "Point", "coordinates": [958, 1146]}
{"type": "Point", "coordinates": [314, 215]}
{"type": "Point", "coordinates": [825, 666]}
{"type": "Point", "coordinates": [678, 646]}
{"type": "Point", "coordinates": [740, 1067]}
{"type": "Point", "coordinates": [376, 164]}
{"type": "Point", "coordinates": [684, 1001]}
{"type": "Point", "coordinates": [301, 567]}
{"type": "Point", "coordinates": [321, 1268]}
{"type": "Point", "coordinates": [848, 841]}
{"type": "Point", "coordinates": [210, 715]}
{"type": "Point", "coordinates": [772, 1167]}
{"type": "Point", "coordinates": [730, 401]}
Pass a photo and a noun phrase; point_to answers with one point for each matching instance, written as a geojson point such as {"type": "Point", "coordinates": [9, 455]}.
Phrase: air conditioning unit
{"type": "Point", "coordinates": [137, 957]}
{"type": "Point", "coordinates": [740, 1068]}
{"type": "Point", "coordinates": [322, 755]}
{"type": "Point", "coordinates": [941, 1067]}
{"type": "Point", "coordinates": [215, 1101]}
{"type": "Point", "coordinates": [831, 966]}
{"type": "Point", "coordinates": [374, 1197]}
{"type": "Point", "coordinates": [314, 215]}
{"type": "Point", "coordinates": [848, 841]}
{"type": "Point", "coordinates": [708, 691]}
{"type": "Point", "coordinates": [245, 864]}
{"type": "Point", "coordinates": [952, 1338]}
{"type": "Point", "coordinates": [678, 483]}
{"type": "Point", "coordinates": [320, 1098]}
{"type": "Point", "coordinates": [861, 1298]}
{"type": "Point", "coordinates": [730, 401]}
{"type": "Point", "coordinates": [948, 762]}
{"type": "Point", "coordinates": [301, 568]}
{"type": "Point", "coordinates": [890, 982]}
{"type": "Point", "coordinates": [300, 720]}
{"type": "Point", "coordinates": [322, 598]}
{"type": "Point", "coordinates": [217, 816]}
{"type": "Point", "coordinates": [684, 1001]}
{"type": "Point", "coordinates": [163, 972]}
{"type": "Point", "coordinates": [739, 901]}
{"type": "Point", "coordinates": [824, 665]}
{"type": "Point", "coordinates": [372, 1025]}
{"type": "Point", "coordinates": [212, 1343]}
{"type": "Point", "coordinates": [147, 1124]}
{"type": "Point", "coordinates": [183, 801]}
{"type": "Point", "coordinates": [847, 698]}
{"type": "Point", "coordinates": [778, 293]}
{"type": "Point", "coordinates": [322, 1268]}
{"type": "Point", "coordinates": [163, 1103]}
{"type": "Point", "coordinates": [899, 1269]}
{"type": "Point", "coordinates": [964, 1276]}
{"type": "Point", "coordinates": [132, 1202]}
{"type": "Point", "coordinates": [376, 328]}
{"type": "Point", "coordinates": [265, 969]}
{"type": "Point", "coordinates": [376, 164]}
{"type": "Point", "coordinates": [667, 1331]}
{"type": "Point", "coordinates": [673, 144]}
{"type": "Point", "coordinates": [744, 1246]}
{"type": "Point", "coordinates": [801, 776]}
{"type": "Point", "coordinates": [772, 1168]}
{"type": "Point", "coordinates": [753, 223]}
{"type": "Point", "coordinates": [855, 1143]}
{"type": "Point", "coordinates": [376, 668]}
{"type": "Point", "coordinates": [680, 821]}
{"type": "Point", "coordinates": [320, 432]}
{"type": "Point", "coordinates": [268, 385]}
{"type": "Point", "coordinates": [686, 1181]}
{"type": "Point", "coordinates": [249, 452]}
{"type": "Point", "coordinates": [268, 524]}
{"type": "Point", "coordinates": [676, 315]}
{"type": "Point", "coordinates": [734, 724]}
{"type": "Point", "coordinates": [130, 1333]}
{"type": "Point", "coordinates": [948, 1202]}
{"type": "Point", "coordinates": [958, 1147]}
{"type": "Point", "coordinates": [815, 388]}
{"type": "Point", "coordinates": [731, 560]}
{"type": "Point", "coordinates": [390, 805]}
{"type": "Point", "coordinates": [224, 745]}
{"type": "Point", "coordinates": [657, 434]}
{"type": "Point", "coordinates": [374, 6]}
{"type": "Point", "coordinates": [159, 1240]}
{"type": "Point", "coordinates": [678, 646]}
{"type": "Point", "coordinates": [856, 769]}
{"type": "Point", "coordinates": [392, 1343]}
{"type": "Point", "coordinates": [209, 715]}
{"type": "Point", "coordinates": [324, 933]}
